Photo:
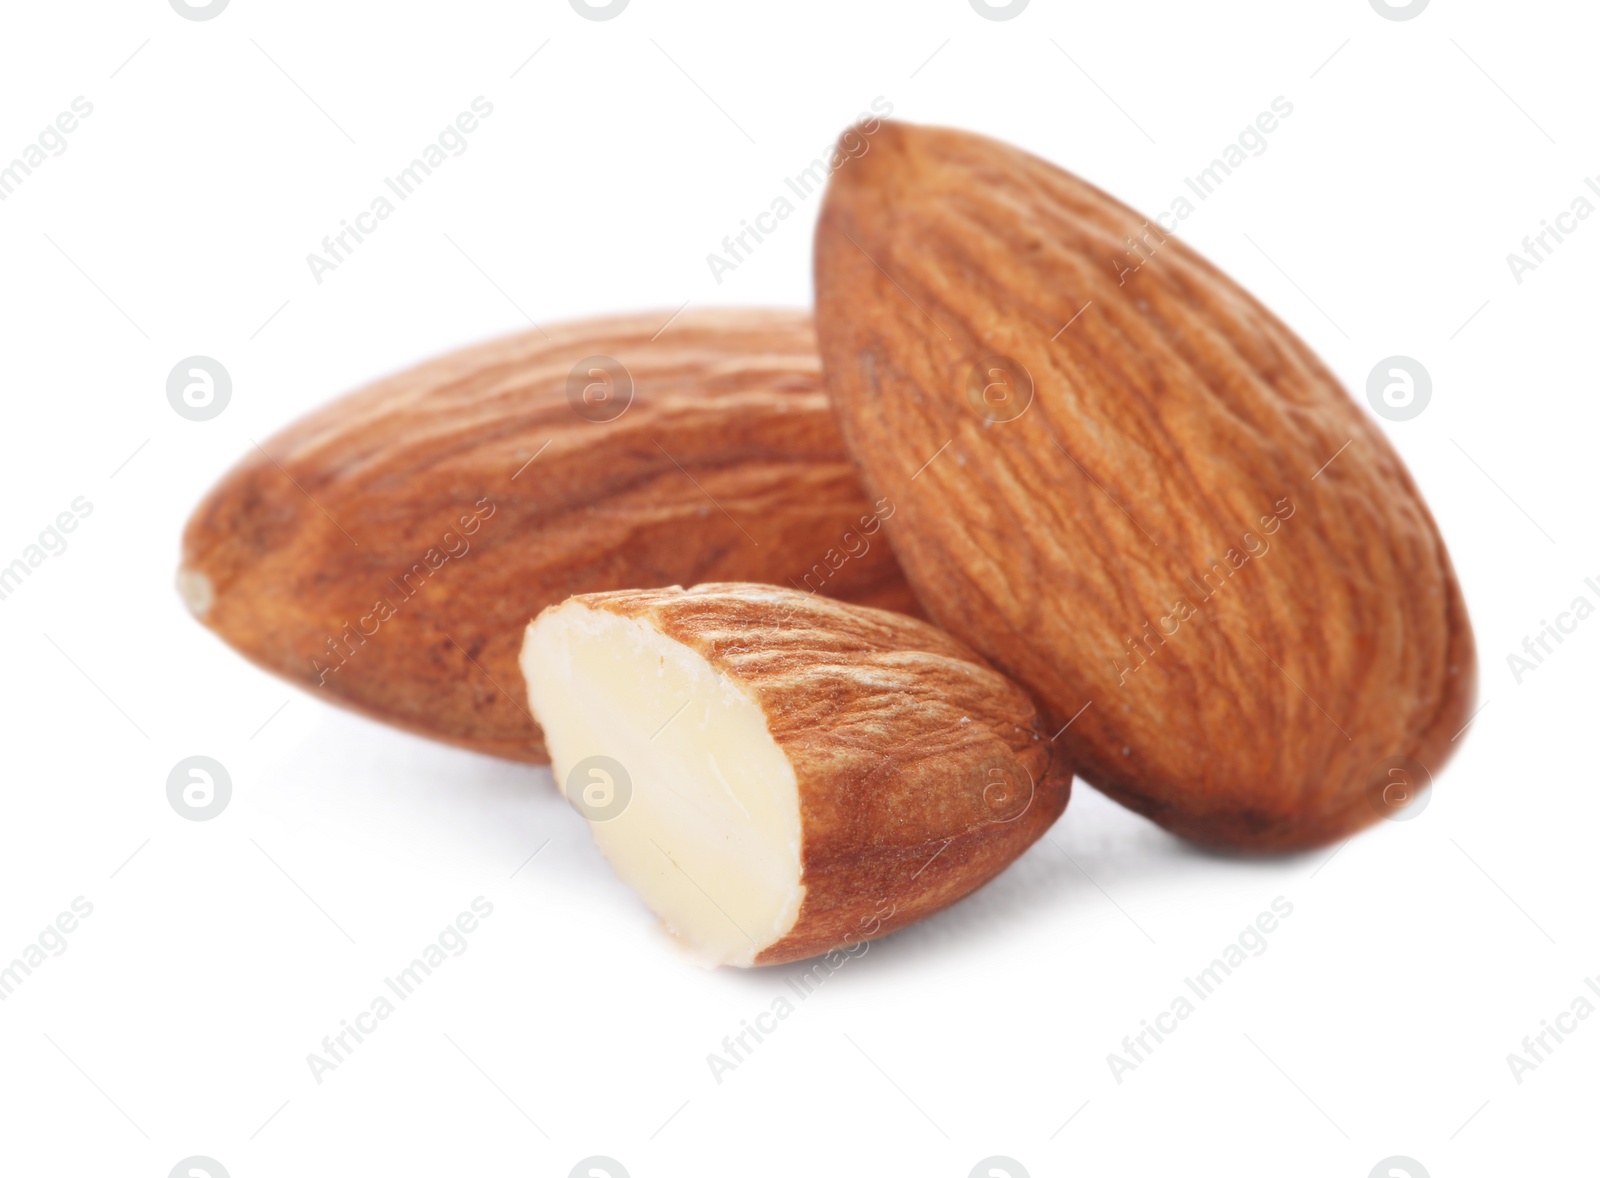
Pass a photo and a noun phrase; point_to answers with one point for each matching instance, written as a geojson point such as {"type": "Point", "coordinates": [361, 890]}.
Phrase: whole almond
{"type": "Point", "coordinates": [779, 775]}
{"type": "Point", "coordinates": [387, 550]}
{"type": "Point", "coordinates": [1133, 489]}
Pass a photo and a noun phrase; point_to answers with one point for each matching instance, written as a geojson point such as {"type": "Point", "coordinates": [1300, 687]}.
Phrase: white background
{"type": "Point", "coordinates": [219, 153]}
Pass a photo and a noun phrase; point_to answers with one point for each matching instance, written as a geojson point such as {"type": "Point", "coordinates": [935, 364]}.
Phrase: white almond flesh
{"type": "Point", "coordinates": [779, 775]}
{"type": "Point", "coordinates": [710, 837]}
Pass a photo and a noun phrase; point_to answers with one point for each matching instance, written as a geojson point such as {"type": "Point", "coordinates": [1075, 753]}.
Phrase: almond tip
{"type": "Point", "coordinates": [195, 589]}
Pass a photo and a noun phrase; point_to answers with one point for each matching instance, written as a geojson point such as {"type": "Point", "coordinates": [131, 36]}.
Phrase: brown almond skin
{"type": "Point", "coordinates": [1171, 418]}
{"type": "Point", "coordinates": [922, 771]}
{"type": "Point", "coordinates": [727, 464]}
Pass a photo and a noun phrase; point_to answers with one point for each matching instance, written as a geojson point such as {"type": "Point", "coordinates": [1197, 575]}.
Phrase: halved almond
{"type": "Point", "coordinates": [779, 775]}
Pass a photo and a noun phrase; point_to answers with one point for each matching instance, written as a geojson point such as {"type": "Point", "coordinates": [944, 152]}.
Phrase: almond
{"type": "Point", "coordinates": [1137, 492]}
{"type": "Point", "coordinates": [779, 775]}
{"type": "Point", "coordinates": [387, 550]}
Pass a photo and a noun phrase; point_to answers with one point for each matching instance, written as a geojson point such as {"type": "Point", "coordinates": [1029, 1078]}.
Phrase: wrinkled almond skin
{"type": "Point", "coordinates": [1175, 432]}
{"type": "Point", "coordinates": [387, 550]}
{"type": "Point", "coordinates": [922, 772]}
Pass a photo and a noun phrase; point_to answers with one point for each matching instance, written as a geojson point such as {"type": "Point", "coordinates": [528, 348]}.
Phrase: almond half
{"type": "Point", "coordinates": [780, 775]}
{"type": "Point", "coordinates": [1135, 491]}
